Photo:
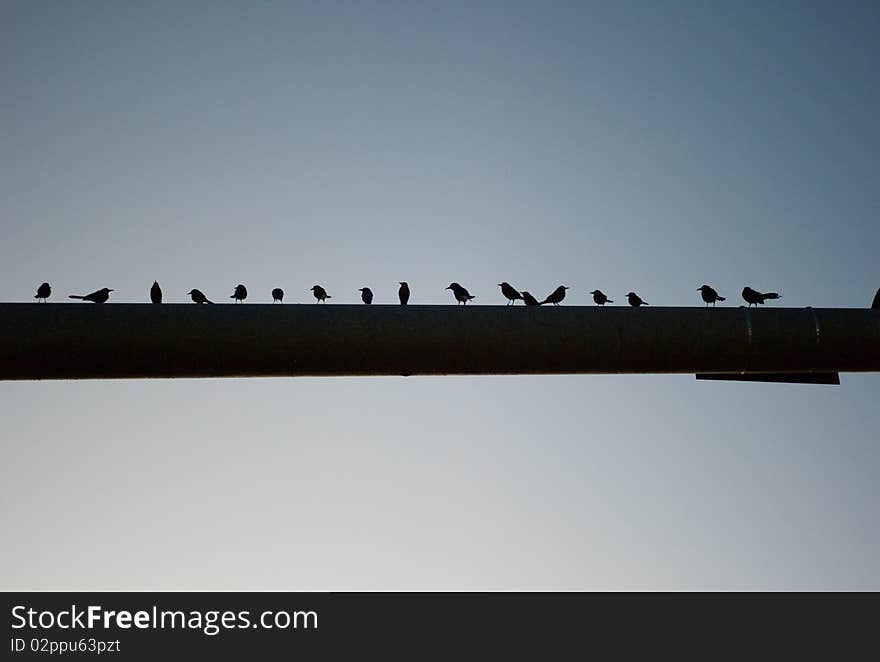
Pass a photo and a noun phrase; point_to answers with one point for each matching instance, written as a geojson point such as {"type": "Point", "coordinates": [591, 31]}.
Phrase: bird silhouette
{"type": "Point", "coordinates": [156, 293]}
{"type": "Point", "coordinates": [709, 295]}
{"type": "Point", "coordinates": [99, 296]}
{"type": "Point", "coordinates": [403, 293]}
{"type": "Point", "coordinates": [510, 293]}
{"type": "Point", "coordinates": [754, 297]}
{"type": "Point", "coordinates": [461, 294]}
{"type": "Point", "coordinates": [529, 300]}
{"type": "Point", "coordinates": [600, 298]}
{"type": "Point", "coordinates": [876, 304]}
{"type": "Point", "coordinates": [198, 297]}
{"type": "Point", "coordinates": [240, 293]}
{"type": "Point", "coordinates": [278, 295]}
{"type": "Point", "coordinates": [556, 296]}
{"type": "Point", "coordinates": [366, 295]}
{"type": "Point", "coordinates": [44, 291]}
{"type": "Point", "coordinates": [635, 300]}
{"type": "Point", "coordinates": [320, 294]}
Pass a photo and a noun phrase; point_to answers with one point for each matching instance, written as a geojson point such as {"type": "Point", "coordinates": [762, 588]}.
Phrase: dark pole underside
{"type": "Point", "coordinates": [87, 341]}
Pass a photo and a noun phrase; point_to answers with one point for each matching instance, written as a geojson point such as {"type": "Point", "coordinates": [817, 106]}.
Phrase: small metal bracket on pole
{"type": "Point", "coordinates": [832, 378]}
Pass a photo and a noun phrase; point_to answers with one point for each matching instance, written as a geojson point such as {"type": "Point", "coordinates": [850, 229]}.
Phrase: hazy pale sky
{"type": "Point", "coordinates": [652, 146]}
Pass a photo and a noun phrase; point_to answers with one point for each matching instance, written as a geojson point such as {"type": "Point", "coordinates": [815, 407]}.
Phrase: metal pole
{"type": "Point", "coordinates": [87, 341]}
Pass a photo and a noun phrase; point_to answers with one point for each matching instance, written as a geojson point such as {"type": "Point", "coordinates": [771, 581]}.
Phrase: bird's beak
{"type": "Point", "coordinates": [110, 289]}
{"type": "Point", "coordinates": [447, 288]}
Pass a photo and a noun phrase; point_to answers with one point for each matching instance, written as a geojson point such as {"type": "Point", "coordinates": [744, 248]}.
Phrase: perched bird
{"type": "Point", "coordinates": [240, 293]}
{"type": "Point", "coordinates": [156, 293]}
{"type": "Point", "coordinates": [876, 304]}
{"type": "Point", "coordinates": [556, 296]}
{"type": "Point", "coordinates": [461, 294]}
{"type": "Point", "coordinates": [600, 298]}
{"type": "Point", "coordinates": [100, 296]}
{"type": "Point", "coordinates": [278, 295]}
{"type": "Point", "coordinates": [43, 292]}
{"type": "Point", "coordinates": [510, 292]}
{"type": "Point", "coordinates": [198, 297]}
{"type": "Point", "coordinates": [529, 299]}
{"type": "Point", "coordinates": [320, 294]}
{"type": "Point", "coordinates": [709, 295]}
{"type": "Point", "coordinates": [403, 293]}
{"type": "Point", "coordinates": [635, 300]}
{"type": "Point", "coordinates": [367, 295]}
{"type": "Point", "coordinates": [754, 297]}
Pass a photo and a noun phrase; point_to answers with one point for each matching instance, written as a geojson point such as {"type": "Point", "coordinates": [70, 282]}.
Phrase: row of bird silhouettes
{"type": "Point", "coordinates": [462, 296]}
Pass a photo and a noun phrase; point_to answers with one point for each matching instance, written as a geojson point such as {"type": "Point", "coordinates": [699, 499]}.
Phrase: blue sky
{"type": "Point", "coordinates": [623, 146]}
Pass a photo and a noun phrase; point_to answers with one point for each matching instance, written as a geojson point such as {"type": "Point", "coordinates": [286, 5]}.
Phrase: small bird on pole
{"type": "Point", "coordinates": [278, 295]}
{"type": "Point", "coordinates": [320, 294]}
{"type": "Point", "coordinates": [240, 293]}
{"type": "Point", "coordinates": [366, 295]}
{"type": "Point", "coordinates": [198, 297]}
{"type": "Point", "coordinates": [403, 293]}
{"type": "Point", "coordinates": [556, 296]}
{"type": "Point", "coordinates": [709, 295]}
{"type": "Point", "coordinates": [461, 294]}
{"type": "Point", "coordinates": [44, 291]}
{"type": "Point", "coordinates": [600, 298]}
{"type": "Point", "coordinates": [100, 296]}
{"type": "Point", "coordinates": [510, 293]}
{"type": "Point", "coordinates": [635, 300]}
{"type": "Point", "coordinates": [754, 297]}
{"type": "Point", "coordinates": [529, 300]}
{"type": "Point", "coordinates": [156, 293]}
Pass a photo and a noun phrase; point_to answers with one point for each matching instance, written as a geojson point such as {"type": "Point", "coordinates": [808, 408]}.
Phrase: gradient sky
{"type": "Point", "coordinates": [651, 146]}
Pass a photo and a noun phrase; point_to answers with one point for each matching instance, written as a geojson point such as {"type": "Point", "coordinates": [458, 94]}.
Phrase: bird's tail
{"type": "Point", "coordinates": [610, 301]}
{"type": "Point", "coordinates": [770, 295]}
{"type": "Point", "coordinates": [208, 301]}
{"type": "Point", "coordinates": [328, 296]}
{"type": "Point", "coordinates": [75, 296]}
{"type": "Point", "coordinates": [721, 298]}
